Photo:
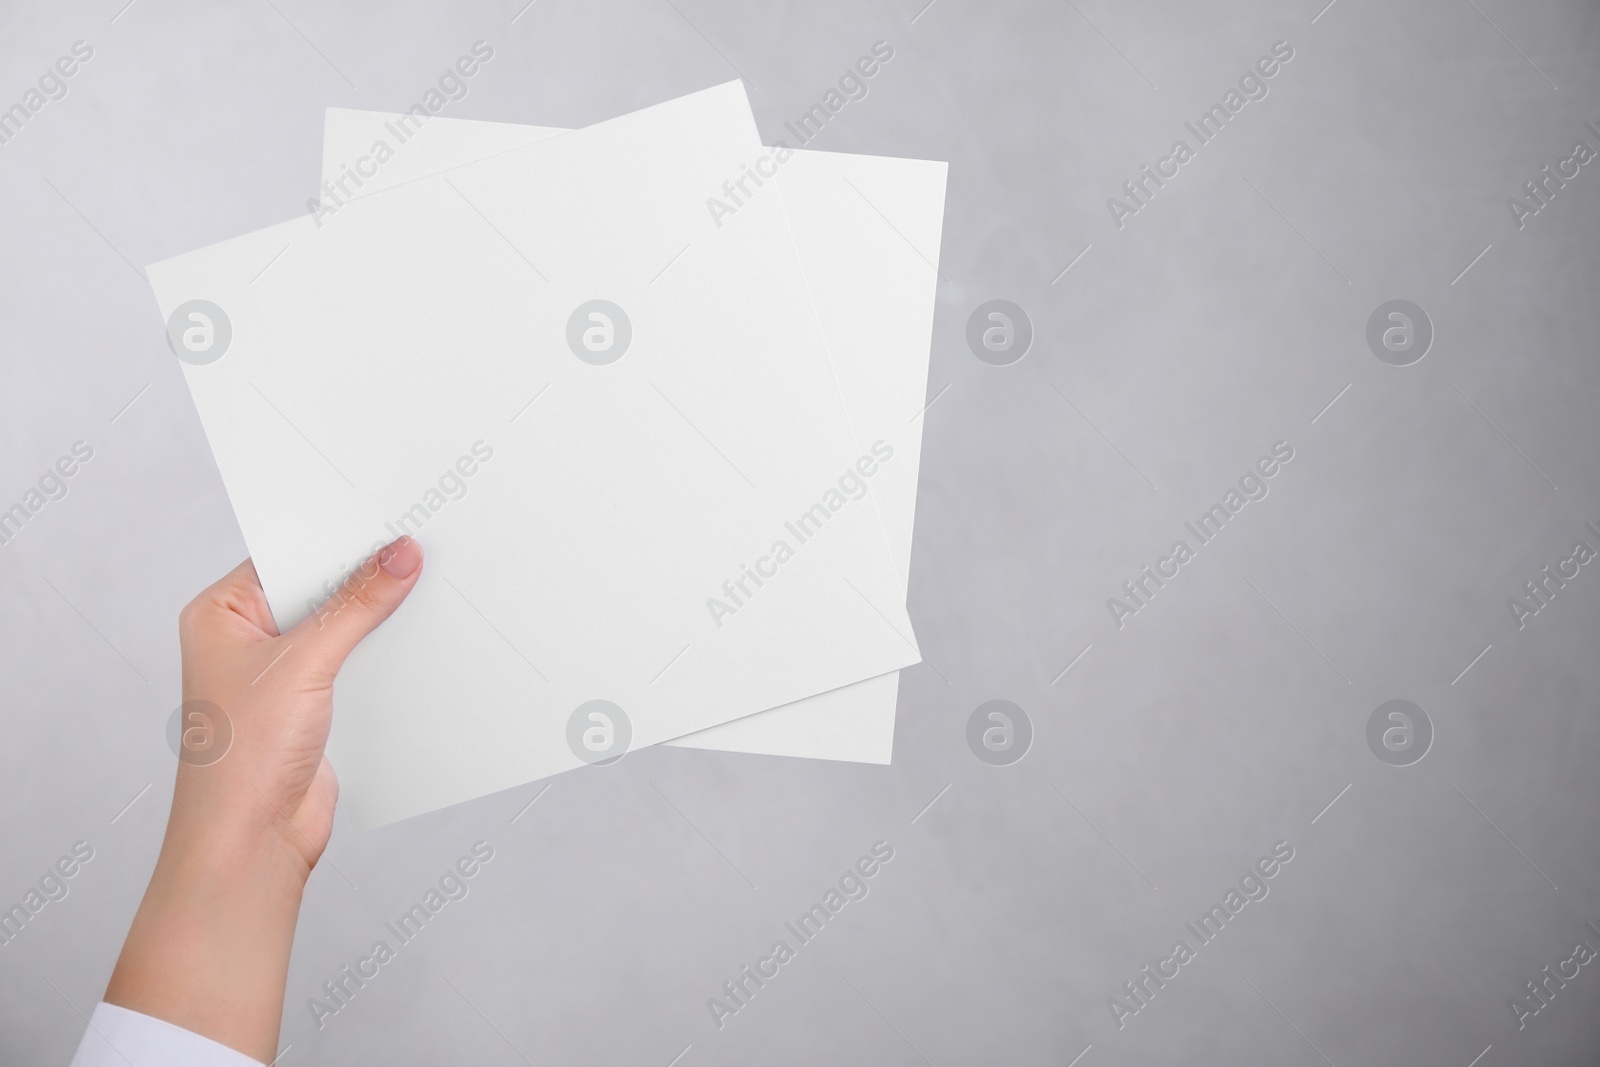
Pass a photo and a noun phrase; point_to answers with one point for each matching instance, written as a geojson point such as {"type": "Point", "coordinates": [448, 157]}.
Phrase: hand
{"type": "Point", "coordinates": [209, 947]}
{"type": "Point", "coordinates": [277, 695]}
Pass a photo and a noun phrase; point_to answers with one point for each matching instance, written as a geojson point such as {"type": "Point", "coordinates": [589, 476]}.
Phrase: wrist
{"type": "Point", "coordinates": [222, 828]}
{"type": "Point", "coordinates": [233, 857]}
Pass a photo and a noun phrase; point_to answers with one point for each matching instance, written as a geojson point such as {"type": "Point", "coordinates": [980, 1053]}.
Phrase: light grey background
{"type": "Point", "coordinates": [1224, 717]}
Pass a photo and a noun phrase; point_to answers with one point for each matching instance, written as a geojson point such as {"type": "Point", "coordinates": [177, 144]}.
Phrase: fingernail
{"type": "Point", "coordinates": [401, 558]}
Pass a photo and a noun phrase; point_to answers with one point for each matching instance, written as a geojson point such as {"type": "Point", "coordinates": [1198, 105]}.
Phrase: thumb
{"type": "Point", "coordinates": [370, 595]}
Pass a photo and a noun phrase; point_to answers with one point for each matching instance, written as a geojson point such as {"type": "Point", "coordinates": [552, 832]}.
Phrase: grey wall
{"type": "Point", "coordinates": [1222, 718]}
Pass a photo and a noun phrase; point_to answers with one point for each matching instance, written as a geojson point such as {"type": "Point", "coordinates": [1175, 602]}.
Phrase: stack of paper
{"type": "Point", "coordinates": [647, 392]}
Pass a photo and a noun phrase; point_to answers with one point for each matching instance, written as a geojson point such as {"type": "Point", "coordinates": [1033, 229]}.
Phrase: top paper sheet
{"type": "Point", "coordinates": [867, 232]}
{"type": "Point", "coordinates": [417, 362]}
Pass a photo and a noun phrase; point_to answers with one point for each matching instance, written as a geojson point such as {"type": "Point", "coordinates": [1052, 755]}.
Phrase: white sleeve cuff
{"type": "Point", "coordinates": [118, 1037]}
